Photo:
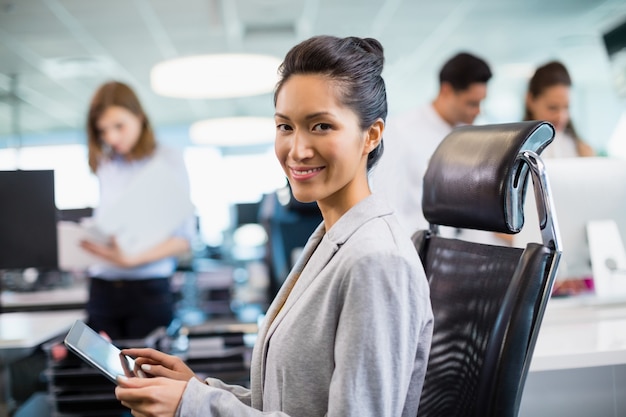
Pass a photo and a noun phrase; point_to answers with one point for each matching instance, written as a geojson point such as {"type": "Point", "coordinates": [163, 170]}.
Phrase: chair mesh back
{"type": "Point", "coordinates": [468, 284]}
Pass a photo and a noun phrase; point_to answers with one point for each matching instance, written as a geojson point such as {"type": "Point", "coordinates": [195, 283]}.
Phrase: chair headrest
{"type": "Point", "coordinates": [475, 179]}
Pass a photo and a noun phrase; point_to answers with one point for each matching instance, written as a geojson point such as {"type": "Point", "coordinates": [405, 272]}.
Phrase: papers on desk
{"type": "Point", "coordinates": [151, 207]}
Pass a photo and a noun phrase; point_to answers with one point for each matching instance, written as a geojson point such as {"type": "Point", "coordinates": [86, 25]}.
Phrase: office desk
{"type": "Point", "coordinates": [579, 364]}
{"type": "Point", "coordinates": [21, 334]}
{"type": "Point", "coordinates": [65, 298]}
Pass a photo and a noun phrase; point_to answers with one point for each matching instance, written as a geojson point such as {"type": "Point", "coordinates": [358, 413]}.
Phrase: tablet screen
{"type": "Point", "coordinates": [98, 352]}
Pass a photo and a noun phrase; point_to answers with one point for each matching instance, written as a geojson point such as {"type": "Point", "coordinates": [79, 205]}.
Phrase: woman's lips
{"type": "Point", "coordinates": [302, 174]}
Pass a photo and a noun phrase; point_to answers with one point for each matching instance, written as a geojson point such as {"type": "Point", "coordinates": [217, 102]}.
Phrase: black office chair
{"type": "Point", "coordinates": [488, 300]}
{"type": "Point", "coordinates": [288, 224]}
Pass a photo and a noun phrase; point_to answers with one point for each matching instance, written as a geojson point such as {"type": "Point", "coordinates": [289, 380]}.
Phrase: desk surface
{"type": "Point", "coordinates": [45, 299]}
{"type": "Point", "coordinates": [30, 329]}
{"type": "Point", "coordinates": [581, 332]}
{"type": "Point", "coordinates": [576, 332]}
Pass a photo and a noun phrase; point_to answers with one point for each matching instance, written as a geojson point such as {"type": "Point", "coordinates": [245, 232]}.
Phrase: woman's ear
{"type": "Point", "coordinates": [374, 135]}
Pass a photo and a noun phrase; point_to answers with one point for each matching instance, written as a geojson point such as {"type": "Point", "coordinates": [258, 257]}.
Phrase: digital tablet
{"type": "Point", "coordinates": [98, 352]}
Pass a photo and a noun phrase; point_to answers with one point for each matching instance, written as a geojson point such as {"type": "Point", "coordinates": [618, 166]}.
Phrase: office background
{"type": "Point", "coordinates": [54, 53]}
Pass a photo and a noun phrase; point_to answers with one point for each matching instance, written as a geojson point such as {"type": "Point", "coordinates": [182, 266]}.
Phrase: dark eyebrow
{"type": "Point", "coordinates": [308, 117]}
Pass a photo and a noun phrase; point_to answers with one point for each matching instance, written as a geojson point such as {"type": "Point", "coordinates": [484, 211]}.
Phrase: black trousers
{"type": "Point", "coordinates": [129, 309]}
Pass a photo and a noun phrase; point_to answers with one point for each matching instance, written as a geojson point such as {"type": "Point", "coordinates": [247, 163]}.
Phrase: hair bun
{"type": "Point", "coordinates": [372, 45]}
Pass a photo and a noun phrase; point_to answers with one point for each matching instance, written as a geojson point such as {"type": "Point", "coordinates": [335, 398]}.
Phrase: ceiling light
{"type": "Point", "coordinates": [233, 131]}
{"type": "Point", "coordinates": [215, 76]}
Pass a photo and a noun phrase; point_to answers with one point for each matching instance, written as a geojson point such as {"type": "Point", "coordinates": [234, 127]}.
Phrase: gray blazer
{"type": "Point", "coordinates": [347, 335]}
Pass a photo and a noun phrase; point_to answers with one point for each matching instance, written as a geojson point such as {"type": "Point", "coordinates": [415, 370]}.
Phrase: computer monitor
{"type": "Point", "coordinates": [615, 45]}
{"type": "Point", "coordinates": [583, 190]}
{"type": "Point", "coordinates": [28, 230]}
{"type": "Point", "coordinates": [246, 213]}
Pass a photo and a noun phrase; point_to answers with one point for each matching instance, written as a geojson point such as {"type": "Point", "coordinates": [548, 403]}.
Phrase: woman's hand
{"type": "Point", "coordinates": [154, 363]}
{"type": "Point", "coordinates": [111, 253]}
{"type": "Point", "coordinates": [150, 397]}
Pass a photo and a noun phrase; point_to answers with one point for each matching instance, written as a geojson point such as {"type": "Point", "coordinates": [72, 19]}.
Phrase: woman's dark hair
{"type": "Point", "coordinates": [549, 75]}
{"type": "Point", "coordinates": [355, 64]}
{"type": "Point", "coordinates": [115, 93]}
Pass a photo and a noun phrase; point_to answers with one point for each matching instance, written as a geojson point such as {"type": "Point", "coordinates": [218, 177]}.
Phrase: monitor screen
{"type": "Point", "coordinates": [246, 213]}
{"type": "Point", "coordinates": [615, 39]}
{"type": "Point", "coordinates": [583, 190]}
{"type": "Point", "coordinates": [615, 45]}
{"type": "Point", "coordinates": [28, 232]}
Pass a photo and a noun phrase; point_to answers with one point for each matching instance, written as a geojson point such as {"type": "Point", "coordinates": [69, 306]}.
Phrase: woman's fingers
{"type": "Point", "coordinates": [151, 362]}
{"type": "Point", "coordinates": [181, 373]}
{"type": "Point", "coordinates": [147, 353]}
{"type": "Point", "coordinates": [152, 356]}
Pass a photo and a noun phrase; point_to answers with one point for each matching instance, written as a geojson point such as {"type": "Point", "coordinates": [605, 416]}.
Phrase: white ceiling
{"type": "Point", "coordinates": [56, 52]}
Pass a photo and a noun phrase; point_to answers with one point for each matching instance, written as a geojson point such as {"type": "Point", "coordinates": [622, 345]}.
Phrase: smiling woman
{"type": "Point", "coordinates": [321, 146]}
{"type": "Point", "coordinates": [353, 317]}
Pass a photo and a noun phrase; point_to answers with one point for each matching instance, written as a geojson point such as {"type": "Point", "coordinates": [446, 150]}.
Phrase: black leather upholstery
{"type": "Point", "coordinates": [472, 180]}
{"type": "Point", "coordinates": [488, 301]}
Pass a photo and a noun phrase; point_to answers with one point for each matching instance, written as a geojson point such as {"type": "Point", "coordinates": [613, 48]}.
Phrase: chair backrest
{"type": "Point", "coordinates": [288, 224]}
{"type": "Point", "coordinates": [488, 301]}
